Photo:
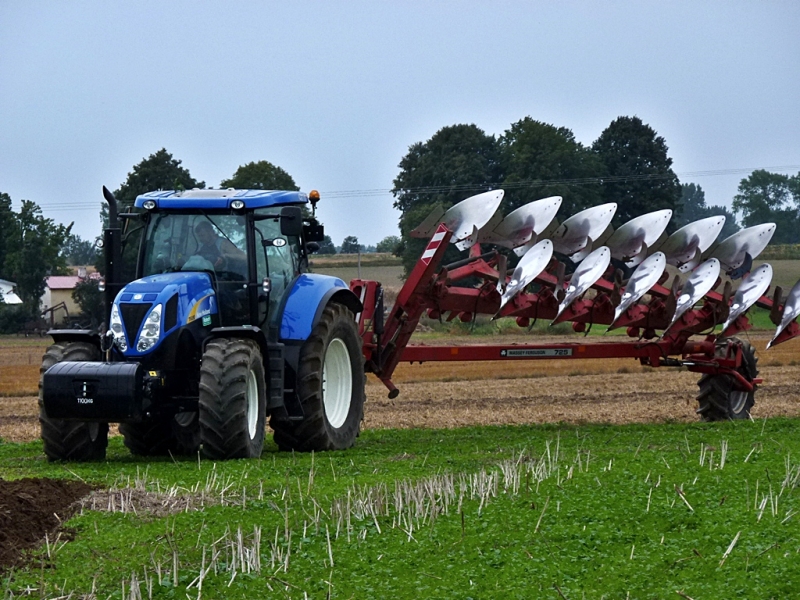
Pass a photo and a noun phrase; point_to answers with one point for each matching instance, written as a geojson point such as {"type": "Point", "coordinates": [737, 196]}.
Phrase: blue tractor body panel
{"type": "Point", "coordinates": [220, 199]}
{"type": "Point", "coordinates": [305, 302]}
{"type": "Point", "coordinates": [195, 300]}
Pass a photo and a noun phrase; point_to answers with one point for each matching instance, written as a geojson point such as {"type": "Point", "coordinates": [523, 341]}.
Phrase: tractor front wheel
{"type": "Point", "coordinates": [233, 400]}
{"type": "Point", "coordinates": [330, 386]}
{"type": "Point", "coordinates": [719, 399]}
{"type": "Point", "coordinates": [70, 440]}
{"type": "Point", "coordinates": [163, 434]}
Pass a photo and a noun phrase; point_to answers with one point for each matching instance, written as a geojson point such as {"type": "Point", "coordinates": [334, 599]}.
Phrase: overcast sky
{"type": "Point", "coordinates": [335, 92]}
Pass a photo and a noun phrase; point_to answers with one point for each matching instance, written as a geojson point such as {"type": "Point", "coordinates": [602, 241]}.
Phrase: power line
{"type": "Point", "coordinates": [478, 187]}
{"type": "Point", "coordinates": [533, 183]}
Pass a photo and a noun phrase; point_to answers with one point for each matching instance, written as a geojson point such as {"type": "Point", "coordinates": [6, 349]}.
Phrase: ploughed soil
{"type": "Point", "coordinates": [31, 509]}
{"type": "Point", "coordinates": [437, 395]}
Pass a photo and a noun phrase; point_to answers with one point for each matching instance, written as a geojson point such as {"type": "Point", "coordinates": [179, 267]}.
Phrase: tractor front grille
{"type": "Point", "coordinates": [132, 314]}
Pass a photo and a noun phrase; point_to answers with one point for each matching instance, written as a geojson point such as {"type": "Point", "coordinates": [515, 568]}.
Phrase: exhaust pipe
{"type": "Point", "coordinates": [112, 248]}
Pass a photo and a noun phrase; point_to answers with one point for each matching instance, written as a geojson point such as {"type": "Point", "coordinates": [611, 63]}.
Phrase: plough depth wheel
{"type": "Point", "coordinates": [719, 399]}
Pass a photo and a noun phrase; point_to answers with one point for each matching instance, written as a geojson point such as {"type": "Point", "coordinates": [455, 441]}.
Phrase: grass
{"type": "Point", "coordinates": [373, 259]}
{"type": "Point", "coordinates": [785, 273]}
{"type": "Point", "coordinates": [781, 252]}
{"type": "Point", "coordinates": [484, 326]}
{"type": "Point", "coordinates": [707, 510]}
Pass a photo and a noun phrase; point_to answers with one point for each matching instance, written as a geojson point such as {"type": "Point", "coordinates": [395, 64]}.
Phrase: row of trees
{"type": "Point", "coordinates": [350, 245]}
{"type": "Point", "coordinates": [33, 247]}
{"type": "Point", "coordinates": [628, 164]}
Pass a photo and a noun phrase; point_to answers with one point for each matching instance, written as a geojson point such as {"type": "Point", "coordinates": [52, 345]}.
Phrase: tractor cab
{"type": "Point", "coordinates": [240, 253]}
{"type": "Point", "coordinates": [249, 243]}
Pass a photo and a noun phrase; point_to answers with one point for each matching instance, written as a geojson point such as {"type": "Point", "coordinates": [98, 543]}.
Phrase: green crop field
{"type": "Point", "coordinates": [638, 511]}
{"type": "Point", "coordinates": [785, 273]}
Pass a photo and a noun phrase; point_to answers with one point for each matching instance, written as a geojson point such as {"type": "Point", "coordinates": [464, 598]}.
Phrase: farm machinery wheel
{"type": "Point", "coordinates": [186, 433]}
{"type": "Point", "coordinates": [162, 435]}
{"type": "Point", "coordinates": [719, 400]}
{"type": "Point", "coordinates": [148, 438]}
{"type": "Point", "coordinates": [330, 386]}
{"type": "Point", "coordinates": [233, 400]}
{"type": "Point", "coordinates": [71, 440]}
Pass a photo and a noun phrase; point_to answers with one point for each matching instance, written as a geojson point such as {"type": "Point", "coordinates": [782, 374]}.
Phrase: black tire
{"type": "Point", "coordinates": [331, 422]}
{"type": "Point", "coordinates": [151, 437]}
{"type": "Point", "coordinates": [186, 433]}
{"type": "Point", "coordinates": [233, 400]}
{"type": "Point", "coordinates": [163, 435]}
{"type": "Point", "coordinates": [70, 440]}
{"type": "Point", "coordinates": [719, 400]}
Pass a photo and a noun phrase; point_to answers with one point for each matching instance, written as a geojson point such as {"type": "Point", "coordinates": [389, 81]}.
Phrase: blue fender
{"type": "Point", "coordinates": [308, 297]}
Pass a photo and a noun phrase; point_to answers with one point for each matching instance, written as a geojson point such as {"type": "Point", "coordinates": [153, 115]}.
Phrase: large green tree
{"type": "Point", "coordinates": [541, 160]}
{"type": "Point", "coordinates": [766, 197]}
{"type": "Point", "coordinates": [638, 173]}
{"type": "Point", "coordinates": [326, 246]}
{"type": "Point", "coordinates": [350, 245]}
{"type": "Point", "coordinates": [388, 244]}
{"type": "Point", "coordinates": [78, 251]}
{"type": "Point", "coordinates": [89, 298]}
{"type": "Point", "coordinates": [692, 207]}
{"type": "Point", "coordinates": [457, 162]}
{"type": "Point", "coordinates": [34, 252]}
{"type": "Point", "coordinates": [261, 175]}
{"type": "Point", "coordinates": [159, 171]}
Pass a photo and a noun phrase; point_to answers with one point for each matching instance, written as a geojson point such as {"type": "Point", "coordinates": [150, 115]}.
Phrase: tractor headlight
{"type": "Point", "coordinates": [116, 327]}
{"type": "Point", "coordinates": [151, 330]}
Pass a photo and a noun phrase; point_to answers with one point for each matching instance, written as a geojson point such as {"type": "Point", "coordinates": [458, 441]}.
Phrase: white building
{"type": "Point", "coordinates": [7, 292]}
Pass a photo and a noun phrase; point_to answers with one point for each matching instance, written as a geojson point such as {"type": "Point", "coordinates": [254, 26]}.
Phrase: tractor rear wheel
{"type": "Point", "coordinates": [330, 386]}
{"type": "Point", "coordinates": [71, 440]}
{"type": "Point", "coordinates": [233, 400]}
{"type": "Point", "coordinates": [719, 399]}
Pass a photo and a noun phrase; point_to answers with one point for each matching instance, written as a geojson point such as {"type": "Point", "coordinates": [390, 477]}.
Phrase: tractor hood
{"type": "Point", "coordinates": [148, 310]}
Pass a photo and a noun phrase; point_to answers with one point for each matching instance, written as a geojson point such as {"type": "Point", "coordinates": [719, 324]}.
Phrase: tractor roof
{"type": "Point", "coordinates": [211, 199]}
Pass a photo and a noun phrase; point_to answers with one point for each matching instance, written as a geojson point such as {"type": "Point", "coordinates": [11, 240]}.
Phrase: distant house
{"type": "Point", "coordinates": [59, 289]}
{"type": "Point", "coordinates": [7, 292]}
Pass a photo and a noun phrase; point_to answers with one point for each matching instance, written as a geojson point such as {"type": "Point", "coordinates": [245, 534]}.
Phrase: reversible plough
{"type": "Point", "coordinates": [581, 271]}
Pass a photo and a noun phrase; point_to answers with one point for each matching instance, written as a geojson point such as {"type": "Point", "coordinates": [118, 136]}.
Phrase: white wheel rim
{"type": "Point", "coordinates": [337, 383]}
{"type": "Point", "coordinates": [252, 404]}
{"type": "Point", "coordinates": [737, 402]}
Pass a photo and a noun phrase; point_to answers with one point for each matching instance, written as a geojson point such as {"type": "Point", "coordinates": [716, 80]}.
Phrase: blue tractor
{"type": "Point", "coordinates": [220, 328]}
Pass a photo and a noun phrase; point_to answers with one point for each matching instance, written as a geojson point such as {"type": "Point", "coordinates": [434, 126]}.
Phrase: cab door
{"type": "Point", "coordinates": [277, 257]}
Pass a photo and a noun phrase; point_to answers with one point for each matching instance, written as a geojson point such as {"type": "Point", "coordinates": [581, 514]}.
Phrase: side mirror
{"type": "Point", "coordinates": [291, 221]}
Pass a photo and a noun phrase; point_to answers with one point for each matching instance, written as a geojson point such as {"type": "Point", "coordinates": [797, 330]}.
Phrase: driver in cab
{"type": "Point", "coordinates": [214, 248]}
